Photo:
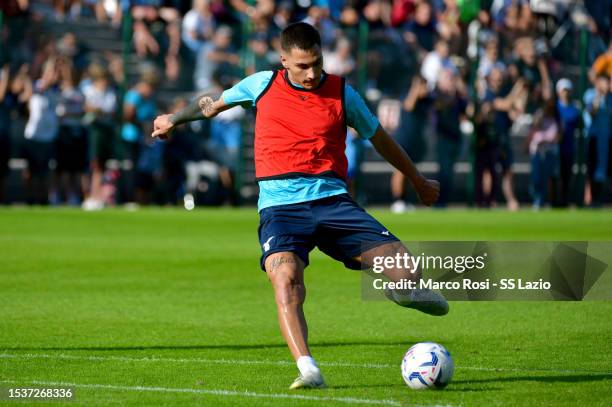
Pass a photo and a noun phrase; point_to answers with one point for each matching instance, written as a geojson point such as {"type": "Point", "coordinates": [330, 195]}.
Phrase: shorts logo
{"type": "Point", "coordinates": [266, 245]}
{"type": "Point", "coordinates": [385, 232]}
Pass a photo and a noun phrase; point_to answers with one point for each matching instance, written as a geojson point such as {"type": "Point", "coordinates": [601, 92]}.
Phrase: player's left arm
{"type": "Point", "coordinates": [359, 117]}
{"type": "Point", "coordinates": [427, 189]}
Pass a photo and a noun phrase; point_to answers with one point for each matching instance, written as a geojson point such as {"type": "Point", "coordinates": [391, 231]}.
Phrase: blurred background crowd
{"type": "Point", "coordinates": [505, 102]}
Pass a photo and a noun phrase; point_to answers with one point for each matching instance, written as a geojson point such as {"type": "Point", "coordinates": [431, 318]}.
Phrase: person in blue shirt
{"type": "Point", "coordinates": [304, 210]}
{"type": "Point", "coordinates": [598, 102]}
{"type": "Point", "coordinates": [569, 118]}
{"type": "Point", "coordinates": [139, 108]}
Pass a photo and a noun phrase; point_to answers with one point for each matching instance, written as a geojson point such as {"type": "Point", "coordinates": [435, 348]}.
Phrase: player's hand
{"type": "Point", "coordinates": [162, 127]}
{"type": "Point", "coordinates": [428, 190]}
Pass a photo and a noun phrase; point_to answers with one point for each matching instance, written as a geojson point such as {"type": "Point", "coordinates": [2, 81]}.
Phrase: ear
{"type": "Point", "coordinates": [283, 59]}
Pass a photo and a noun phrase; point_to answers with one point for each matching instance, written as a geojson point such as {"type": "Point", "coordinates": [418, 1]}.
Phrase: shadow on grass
{"type": "Point", "coordinates": [452, 389]}
{"type": "Point", "coordinates": [574, 378]}
{"type": "Point", "coordinates": [204, 347]}
{"type": "Point", "coordinates": [369, 386]}
{"type": "Point", "coordinates": [403, 386]}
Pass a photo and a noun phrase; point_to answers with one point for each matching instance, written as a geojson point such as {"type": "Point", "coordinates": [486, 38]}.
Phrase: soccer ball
{"type": "Point", "coordinates": [427, 365]}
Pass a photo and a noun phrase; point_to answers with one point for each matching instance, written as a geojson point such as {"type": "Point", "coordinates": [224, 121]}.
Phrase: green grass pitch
{"type": "Point", "coordinates": [167, 307]}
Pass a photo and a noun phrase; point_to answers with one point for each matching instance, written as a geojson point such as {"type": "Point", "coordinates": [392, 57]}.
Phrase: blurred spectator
{"type": "Point", "coordinates": [489, 122]}
{"type": "Point", "coordinates": [512, 18]}
{"type": "Point", "coordinates": [69, 48]}
{"type": "Point", "coordinates": [544, 151]}
{"type": "Point", "coordinates": [19, 90]}
{"type": "Point", "coordinates": [139, 110]}
{"type": "Point", "coordinates": [40, 132]}
{"type": "Point", "coordinates": [349, 16]}
{"type": "Point", "coordinates": [479, 33]}
{"type": "Point", "coordinates": [450, 106]}
{"type": "Point", "coordinates": [263, 57]}
{"type": "Point", "coordinates": [532, 68]}
{"type": "Point", "coordinates": [283, 16]}
{"type": "Point", "coordinates": [448, 24]}
{"type": "Point", "coordinates": [401, 11]}
{"type": "Point", "coordinates": [569, 119]}
{"type": "Point", "coordinates": [223, 145]}
{"type": "Point", "coordinates": [598, 102]}
{"type": "Point", "coordinates": [115, 66]}
{"type": "Point", "coordinates": [178, 150]}
{"type": "Point", "coordinates": [421, 32]}
{"type": "Point", "coordinates": [603, 63]}
{"type": "Point", "coordinates": [46, 51]}
{"type": "Point", "coordinates": [109, 9]}
{"type": "Point", "coordinates": [5, 123]}
{"type": "Point", "coordinates": [340, 61]}
{"type": "Point", "coordinates": [15, 94]}
{"type": "Point", "coordinates": [411, 136]}
{"type": "Point", "coordinates": [601, 13]}
{"type": "Point", "coordinates": [149, 171]}
{"type": "Point", "coordinates": [14, 31]}
{"type": "Point", "coordinates": [434, 62]}
{"type": "Point", "coordinates": [71, 144]}
{"type": "Point", "coordinates": [12, 8]}
{"type": "Point", "coordinates": [500, 102]}
{"type": "Point", "coordinates": [318, 17]}
{"type": "Point", "coordinates": [507, 106]}
{"type": "Point", "coordinates": [377, 13]}
{"type": "Point", "coordinates": [217, 55]}
{"type": "Point", "coordinates": [198, 26]}
{"type": "Point", "coordinates": [100, 107]}
{"type": "Point", "coordinates": [145, 13]}
{"type": "Point", "coordinates": [488, 60]}
{"type": "Point", "coordinates": [75, 9]}
{"type": "Point", "coordinates": [262, 8]}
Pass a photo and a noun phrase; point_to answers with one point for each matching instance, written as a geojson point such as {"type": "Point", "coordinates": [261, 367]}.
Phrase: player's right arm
{"type": "Point", "coordinates": [244, 93]}
{"type": "Point", "coordinates": [203, 107]}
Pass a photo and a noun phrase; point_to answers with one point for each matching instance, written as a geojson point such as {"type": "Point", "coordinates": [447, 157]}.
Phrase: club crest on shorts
{"type": "Point", "coordinates": [266, 245]}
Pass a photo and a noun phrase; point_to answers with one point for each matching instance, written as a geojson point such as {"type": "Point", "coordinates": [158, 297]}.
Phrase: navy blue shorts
{"type": "Point", "coordinates": [336, 225]}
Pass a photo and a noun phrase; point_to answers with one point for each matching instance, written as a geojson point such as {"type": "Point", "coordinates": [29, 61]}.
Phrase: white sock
{"type": "Point", "coordinates": [307, 366]}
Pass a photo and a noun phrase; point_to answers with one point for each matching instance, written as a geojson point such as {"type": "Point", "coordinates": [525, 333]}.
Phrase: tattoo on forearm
{"type": "Point", "coordinates": [206, 105]}
{"type": "Point", "coordinates": [278, 261]}
{"type": "Point", "coordinates": [199, 109]}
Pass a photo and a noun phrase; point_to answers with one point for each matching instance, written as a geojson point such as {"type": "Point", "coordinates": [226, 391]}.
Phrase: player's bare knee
{"type": "Point", "coordinates": [290, 292]}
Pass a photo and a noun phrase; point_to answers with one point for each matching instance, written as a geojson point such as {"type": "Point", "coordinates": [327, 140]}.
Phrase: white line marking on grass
{"type": "Point", "coordinates": [272, 363]}
{"type": "Point", "coordinates": [214, 392]}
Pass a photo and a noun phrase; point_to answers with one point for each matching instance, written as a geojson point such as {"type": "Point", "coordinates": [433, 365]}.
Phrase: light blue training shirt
{"type": "Point", "coordinates": [301, 189]}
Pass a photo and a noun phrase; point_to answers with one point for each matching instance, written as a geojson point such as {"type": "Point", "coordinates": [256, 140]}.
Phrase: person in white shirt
{"type": "Point", "coordinates": [40, 133]}
{"type": "Point", "coordinates": [198, 26]}
{"type": "Point", "coordinates": [100, 105]}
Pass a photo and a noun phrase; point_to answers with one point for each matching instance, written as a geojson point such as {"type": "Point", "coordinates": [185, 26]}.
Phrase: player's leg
{"type": "Point", "coordinates": [424, 300]}
{"type": "Point", "coordinates": [286, 273]}
{"type": "Point", "coordinates": [349, 234]}
{"type": "Point", "coordinates": [285, 234]}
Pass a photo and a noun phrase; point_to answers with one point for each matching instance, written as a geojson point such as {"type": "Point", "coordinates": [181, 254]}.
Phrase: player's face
{"type": "Point", "coordinates": [304, 66]}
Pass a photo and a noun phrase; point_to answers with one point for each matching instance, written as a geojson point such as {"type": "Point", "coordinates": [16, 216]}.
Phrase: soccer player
{"type": "Point", "coordinates": [300, 132]}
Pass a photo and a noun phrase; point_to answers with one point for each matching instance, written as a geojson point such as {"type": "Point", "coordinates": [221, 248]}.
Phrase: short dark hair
{"type": "Point", "coordinates": [300, 35]}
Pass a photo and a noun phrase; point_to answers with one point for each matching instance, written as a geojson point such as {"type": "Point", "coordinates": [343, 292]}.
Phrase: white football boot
{"type": "Point", "coordinates": [311, 381]}
{"type": "Point", "coordinates": [424, 300]}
